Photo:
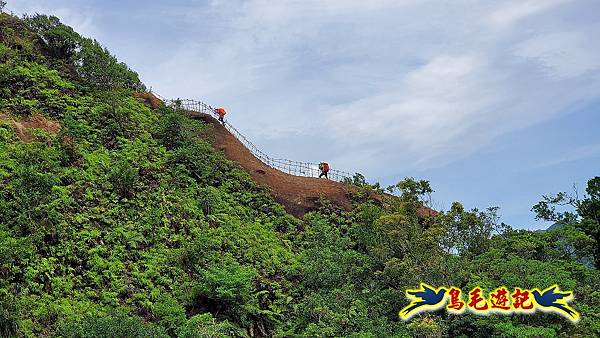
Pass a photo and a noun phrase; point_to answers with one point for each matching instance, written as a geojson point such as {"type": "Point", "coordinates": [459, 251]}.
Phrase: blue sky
{"type": "Point", "coordinates": [496, 103]}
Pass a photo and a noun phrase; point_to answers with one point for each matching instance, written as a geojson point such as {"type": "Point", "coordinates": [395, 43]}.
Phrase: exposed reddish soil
{"type": "Point", "coordinates": [297, 194]}
{"type": "Point", "coordinates": [149, 99]}
{"type": "Point", "coordinates": [23, 127]}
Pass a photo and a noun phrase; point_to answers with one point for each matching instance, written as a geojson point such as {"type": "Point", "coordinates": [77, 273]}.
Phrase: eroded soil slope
{"type": "Point", "coordinates": [24, 127]}
{"type": "Point", "coordinates": [297, 194]}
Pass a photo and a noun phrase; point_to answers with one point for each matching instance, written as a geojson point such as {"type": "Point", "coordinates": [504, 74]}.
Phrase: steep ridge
{"type": "Point", "coordinates": [297, 194]}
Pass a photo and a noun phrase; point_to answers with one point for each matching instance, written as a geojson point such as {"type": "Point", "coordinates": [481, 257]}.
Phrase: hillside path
{"type": "Point", "coordinates": [297, 194]}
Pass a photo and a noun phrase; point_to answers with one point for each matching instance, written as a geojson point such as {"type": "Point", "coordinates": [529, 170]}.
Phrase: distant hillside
{"type": "Point", "coordinates": [555, 226]}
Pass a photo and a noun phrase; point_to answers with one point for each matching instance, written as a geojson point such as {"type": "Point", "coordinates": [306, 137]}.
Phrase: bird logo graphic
{"type": "Point", "coordinates": [522, 301]}
{"type": "Point", "coordinates": [426, 298]}
{"type": "Point", "coordinates": [552, 300]}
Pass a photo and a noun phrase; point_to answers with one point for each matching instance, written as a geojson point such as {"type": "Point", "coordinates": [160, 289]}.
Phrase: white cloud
{"type": "Point", "coordinates": [513, 11]}
{"type": "Point", "coordinates": [420, 83]}
{"type": "Point", "coordinates": [81, 19]}
{"type": "Point", "coordinates": [579, 153]}
{"type": "Point", "coordinates": [424, 102]}
{"type": "Point", "coordinates": [562, 54]}
{"type": "Point", "coordinates": [450, 107]}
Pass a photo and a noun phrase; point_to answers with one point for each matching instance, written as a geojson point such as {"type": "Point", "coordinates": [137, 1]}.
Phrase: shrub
{"type": "Point", "coordinates": [8, 316]}
{"type": "Point", "coordinates": [175, 130]}
{"type": "Point", "coordinates": [123, 177]}
{"type": "Point", "coordinates": [6, 132]}
{"type": "Point", "coordinates": [169, 312]}
{"type": "Point", "coordinates": [112, 326]}
{"type": "Point", "coordinates": [204, 326]}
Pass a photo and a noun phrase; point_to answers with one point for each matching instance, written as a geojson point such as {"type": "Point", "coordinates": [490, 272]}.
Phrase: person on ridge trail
{"type": "Point", "coordinates": [324, 167]}
{"type": "Point", "coordinates": [221, 112]}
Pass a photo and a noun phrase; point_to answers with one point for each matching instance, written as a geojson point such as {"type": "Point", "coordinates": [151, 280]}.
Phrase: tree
{"type": "Point", "coordinates": [2, 4]}
{"type": "Point", "coordinates": [59, 40]}
{"type": "Point", "coordinates": [95, 64]}
{"type": "Point", "coordinates": [585, 217]}
{"type": "Point", "coordinates": [102, 70]}
{"type": "Point", "coordinates": [589, 210]}
{"type": "Point", "coordinates": [413, 193]}
{"type": "Point", "coordinates": [468, 232]}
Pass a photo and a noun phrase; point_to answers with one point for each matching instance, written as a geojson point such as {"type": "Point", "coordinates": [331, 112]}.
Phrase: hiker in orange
{"type": "Point", "coordinates": [221, 112]}
{"type": "Point", "coordinates": [324, 167]}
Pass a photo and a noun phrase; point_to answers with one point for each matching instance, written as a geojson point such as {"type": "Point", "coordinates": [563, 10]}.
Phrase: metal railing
{"type": "Point", "coordinates": [296, 168]}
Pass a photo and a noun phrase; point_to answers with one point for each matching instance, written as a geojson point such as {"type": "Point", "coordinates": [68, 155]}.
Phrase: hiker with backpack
{"type": "Point", "coordinates": [221, 112]}
{"type": "Point", "coordinates": [324, 167]}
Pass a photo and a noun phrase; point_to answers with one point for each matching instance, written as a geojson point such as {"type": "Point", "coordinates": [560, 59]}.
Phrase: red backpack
{"type": "Point", "coordinates": [325, 167]}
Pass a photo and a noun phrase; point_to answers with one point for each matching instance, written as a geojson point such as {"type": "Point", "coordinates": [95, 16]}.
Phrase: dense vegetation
{"type": "Point", "coordinates": [127, 224]}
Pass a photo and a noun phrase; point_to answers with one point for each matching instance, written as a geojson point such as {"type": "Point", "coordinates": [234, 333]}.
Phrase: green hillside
{"type": "Point", "coordinates": [118, 220]}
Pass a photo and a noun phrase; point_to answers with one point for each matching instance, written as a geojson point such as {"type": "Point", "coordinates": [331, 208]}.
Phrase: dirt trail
{"type": "Point", "coordinates": [297, 194]}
